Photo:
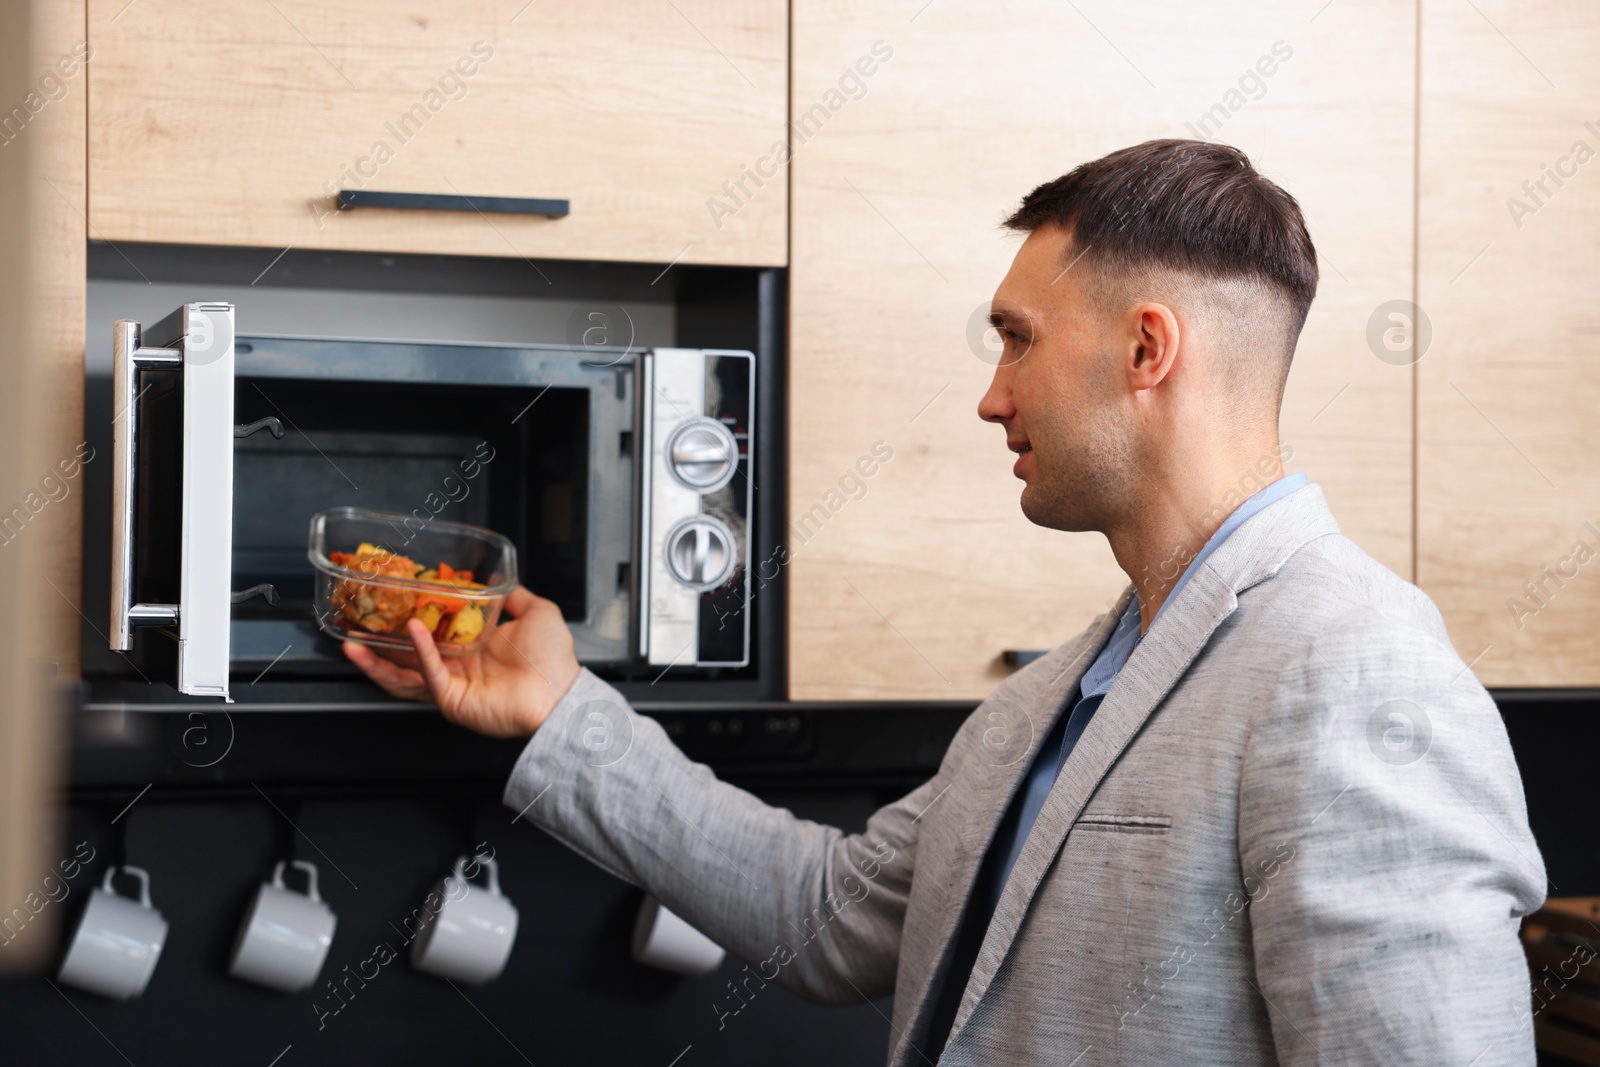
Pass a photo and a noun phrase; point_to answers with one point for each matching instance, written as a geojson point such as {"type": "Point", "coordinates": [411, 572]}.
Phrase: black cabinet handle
{"type": "Point", "coordinates": [1021, 657]}
{"type": "Point", "coordinates": [500, 205]}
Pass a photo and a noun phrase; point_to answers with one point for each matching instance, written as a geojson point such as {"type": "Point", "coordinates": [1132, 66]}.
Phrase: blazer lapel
{"type": "Point", "coordinates": [1033, 714]}
{"type": "Point", "coordinates": [991, 778]}
{"type": "Point", "coordinates": [1254, 552]}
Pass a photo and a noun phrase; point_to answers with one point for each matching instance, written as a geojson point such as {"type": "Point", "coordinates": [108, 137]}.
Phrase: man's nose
{"type": "Point", "coordinates": [996, 404]}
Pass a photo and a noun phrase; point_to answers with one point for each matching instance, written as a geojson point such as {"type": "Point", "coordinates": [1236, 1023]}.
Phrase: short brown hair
{"type": "Point", "coordinates": [1182, 205]}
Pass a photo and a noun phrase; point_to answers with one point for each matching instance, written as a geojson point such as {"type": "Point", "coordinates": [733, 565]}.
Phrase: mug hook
{"type": "Point", "coordinates": [311, 877]}
{"type": "Point", "coordinates": [138, 872]}
{"type": "Point", "coordinates": [482, 861]}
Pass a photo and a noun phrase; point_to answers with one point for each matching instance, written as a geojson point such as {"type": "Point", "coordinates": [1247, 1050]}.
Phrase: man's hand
{"type": "Point", "coordinates": [507, 690]}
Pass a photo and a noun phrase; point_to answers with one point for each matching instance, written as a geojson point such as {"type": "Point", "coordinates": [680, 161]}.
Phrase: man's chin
{"type": "Point", "coordinates": [1049, 510]}
{"type": "Point", "coordinates": [1038, 509]}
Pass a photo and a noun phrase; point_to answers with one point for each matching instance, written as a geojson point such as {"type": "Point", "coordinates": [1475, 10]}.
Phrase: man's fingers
{"type": "Point", "coordinates": [520, 602]}
{"type": "Point", "coordinates": [429, 661]}
{"type": "Point", "coordinates": [397, 681]}
{"type": "Point", "coordinates": [360, 655]}
{"type": "Point", "coordinates": [403, 656]}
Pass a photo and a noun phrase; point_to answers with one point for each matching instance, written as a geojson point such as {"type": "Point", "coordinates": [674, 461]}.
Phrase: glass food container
{"type": "Point", "coordinates": [376, 571]}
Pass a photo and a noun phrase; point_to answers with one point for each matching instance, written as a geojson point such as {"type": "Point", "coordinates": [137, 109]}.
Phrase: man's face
{"type": "Point", "coordinates": [1055, 389]}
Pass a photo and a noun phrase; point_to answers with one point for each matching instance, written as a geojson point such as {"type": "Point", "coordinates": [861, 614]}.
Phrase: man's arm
{"type": "Point", "coordinates": [804, 904]}
{"type": "Point", "coordinates": [1385, 849]}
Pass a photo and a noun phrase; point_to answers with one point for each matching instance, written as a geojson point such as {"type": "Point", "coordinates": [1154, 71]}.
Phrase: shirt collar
{"type": "Point", "coordinates": [1260, 500]}
{"type": "Point", "coordinates": [1125, 638]}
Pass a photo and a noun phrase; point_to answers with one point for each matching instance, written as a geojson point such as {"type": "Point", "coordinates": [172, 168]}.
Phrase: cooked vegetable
{"type": "Point", "coordinates": [466, 626]}
{"type": "Point", "coordinates": [383, 608]}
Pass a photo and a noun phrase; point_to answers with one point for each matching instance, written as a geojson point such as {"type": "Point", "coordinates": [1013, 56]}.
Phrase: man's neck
{"type": "Point", "coordinates": [1174, 515]}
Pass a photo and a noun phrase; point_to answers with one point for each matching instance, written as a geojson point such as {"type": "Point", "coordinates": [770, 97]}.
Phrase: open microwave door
{"type": "Point", "coordinates": [172, 494]}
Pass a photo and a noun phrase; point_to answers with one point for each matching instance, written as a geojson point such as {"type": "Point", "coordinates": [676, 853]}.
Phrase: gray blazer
{"type": "Point", "coordinates": [1293, 833]}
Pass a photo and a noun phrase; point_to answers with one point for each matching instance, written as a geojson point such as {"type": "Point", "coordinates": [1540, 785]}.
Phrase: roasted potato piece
{"type": "Point", "coordinates": [429, 614]}
{"type": "Point", "coordinates": [466, 626]}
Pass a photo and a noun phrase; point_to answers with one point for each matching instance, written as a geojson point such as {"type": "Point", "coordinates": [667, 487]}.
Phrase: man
{"type": "Point", "coordinates": [1259, 812]}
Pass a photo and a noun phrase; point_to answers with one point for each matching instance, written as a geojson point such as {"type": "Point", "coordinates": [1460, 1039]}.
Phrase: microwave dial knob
{"type": "Point", "coordinates": [701, 552]}
{"type": "Point", "coordinates": [703, 455]}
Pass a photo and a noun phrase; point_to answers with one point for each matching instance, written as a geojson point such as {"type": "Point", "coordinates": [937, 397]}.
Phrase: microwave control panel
{"type": "Point", "coordinates": [694, 599]}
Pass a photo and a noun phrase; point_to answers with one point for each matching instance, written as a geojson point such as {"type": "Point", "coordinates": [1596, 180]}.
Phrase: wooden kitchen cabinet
{"type": "Point", "coordinates": [910, 582]}
{"type": "Point", "coordinates": [41, 431]}
{"type": "Point", "coordinates": [1508, 492]}
{"type": "Point", "coordinates": [236, 122]}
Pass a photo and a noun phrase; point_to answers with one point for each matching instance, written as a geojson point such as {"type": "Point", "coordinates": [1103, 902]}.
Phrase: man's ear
{"type": "Point", "coordinates": [1153, 347]}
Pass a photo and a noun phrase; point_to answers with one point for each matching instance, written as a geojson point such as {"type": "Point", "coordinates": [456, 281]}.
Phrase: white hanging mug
{"type": "Point", "coordinates": [284, 938]}
{"type": "Point", "coordinates": [662, 939]}
{"type": "Point", "coordinates": [118, 941]}
{"type": "Point", "coordinates": [470, 938]}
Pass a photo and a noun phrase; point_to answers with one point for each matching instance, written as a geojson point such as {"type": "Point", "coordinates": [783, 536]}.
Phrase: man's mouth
{"type": "Point", "coordinates": [1023, 449]}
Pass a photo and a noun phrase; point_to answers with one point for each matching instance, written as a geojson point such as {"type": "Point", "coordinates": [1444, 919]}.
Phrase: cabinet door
{"type": "Point", "coordinates": [910, 583]}
{"type": "Point", "coordinates": [41, 432]}
{"type": "Point", "coordinates": [1508, 490]}
{"type": "Point", "coordinates": [236, 122]}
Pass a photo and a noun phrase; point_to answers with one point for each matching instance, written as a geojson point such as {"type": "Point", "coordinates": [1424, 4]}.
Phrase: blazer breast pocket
{"type": "Point", "coordinates": [1101, 822]}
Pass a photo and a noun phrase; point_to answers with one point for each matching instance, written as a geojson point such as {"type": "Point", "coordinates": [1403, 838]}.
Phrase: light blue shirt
{"type": "Point", "coordinates": [1096, 683]}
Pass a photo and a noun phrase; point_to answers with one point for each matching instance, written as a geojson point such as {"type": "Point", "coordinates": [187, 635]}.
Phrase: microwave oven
{"type": "Point", "coordinates": [621, 475]}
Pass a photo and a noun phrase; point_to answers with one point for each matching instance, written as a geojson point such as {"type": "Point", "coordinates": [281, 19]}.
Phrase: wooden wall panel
{"type": "Point", "coordinates": [914, 589]}
{"type": "Point", "coordinates": [42, 91]}
{"type": "Point", "coordinates": [1508, 392]}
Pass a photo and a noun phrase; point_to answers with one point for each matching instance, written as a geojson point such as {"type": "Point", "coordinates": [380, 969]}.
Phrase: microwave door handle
{"type": "Point", "coordinates": [128, 358]}
{"type": "Point", "coordinates": [197, 340]}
